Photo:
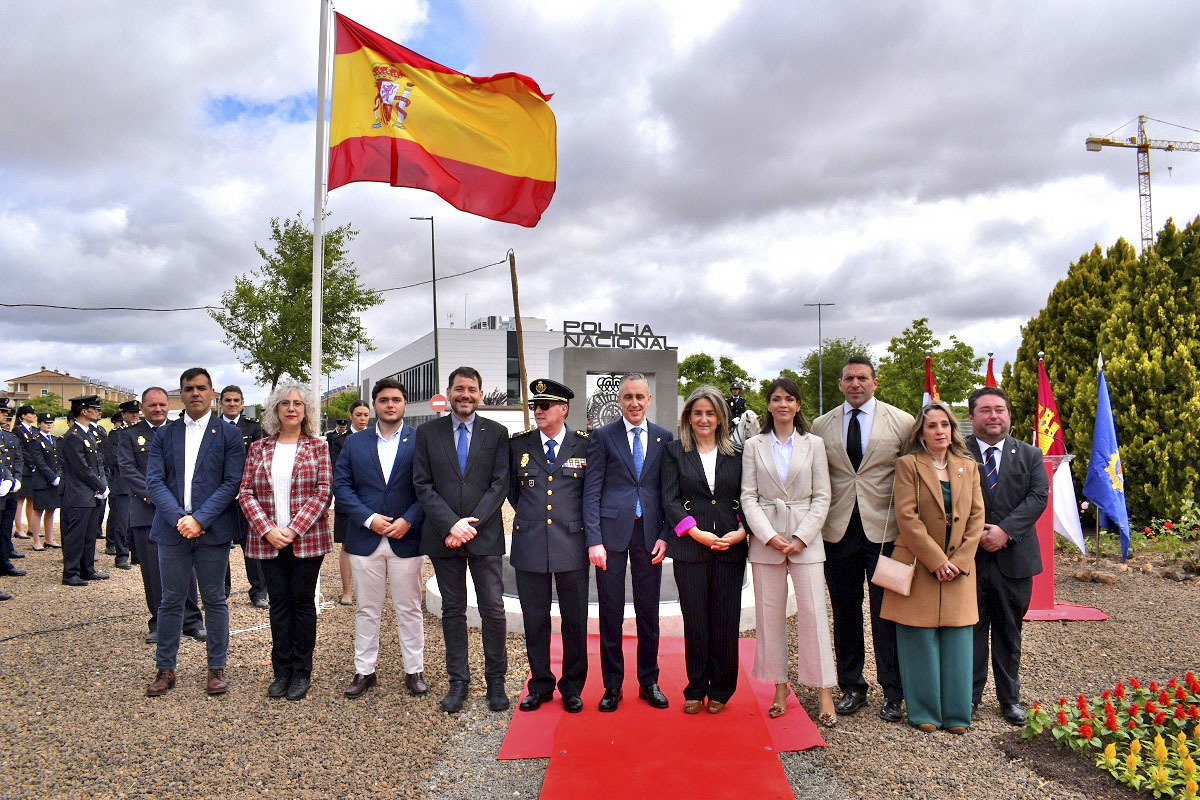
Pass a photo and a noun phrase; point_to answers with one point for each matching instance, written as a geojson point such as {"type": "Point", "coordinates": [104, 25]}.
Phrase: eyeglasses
{"type": "Point", "coordinates": [542, 405]}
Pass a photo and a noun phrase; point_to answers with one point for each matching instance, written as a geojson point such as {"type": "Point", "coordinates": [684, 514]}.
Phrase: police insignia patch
{"type": "Point", "coordinates": [524, 459]}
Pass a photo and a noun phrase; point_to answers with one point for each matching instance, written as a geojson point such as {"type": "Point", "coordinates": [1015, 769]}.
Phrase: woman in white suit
{"type": "Point", "coordinates": [785, 497]}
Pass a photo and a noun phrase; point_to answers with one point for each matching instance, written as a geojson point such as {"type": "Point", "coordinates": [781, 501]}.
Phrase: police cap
{"type": "Point", "coordinates": [45, 416]}
{"type": "Point", "coordinates": [85, 401]}
{"type": "Point", "coordinates": [546, 389]}
{"type": "Point", "coordinates": [131, 406]}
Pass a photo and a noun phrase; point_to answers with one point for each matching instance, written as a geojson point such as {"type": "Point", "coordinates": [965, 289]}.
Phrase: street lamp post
{"type": "Point", "coordinates": [820, 353]}
{"type": "Point", "coordinates": [437, 375]}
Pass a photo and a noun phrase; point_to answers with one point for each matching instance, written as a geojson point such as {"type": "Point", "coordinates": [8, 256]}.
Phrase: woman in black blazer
{"type": "Point", "coordinates": [701, 483]}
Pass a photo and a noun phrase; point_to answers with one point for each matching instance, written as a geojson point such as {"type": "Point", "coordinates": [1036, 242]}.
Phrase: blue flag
{"type": "Point", "coordinates": [1105, 483]}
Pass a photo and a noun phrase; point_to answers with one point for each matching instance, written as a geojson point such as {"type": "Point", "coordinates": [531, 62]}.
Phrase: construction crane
{"type": "Point", "coordinates": [1144, 145]}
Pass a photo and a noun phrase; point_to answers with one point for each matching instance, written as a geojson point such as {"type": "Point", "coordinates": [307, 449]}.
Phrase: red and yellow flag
{"type": "Point", "coordinates": [990, 378]}
{"type": "Point", "coordinates": [485, 145]}
{"type": "Point", "coordinates": [931, 391]}
{"type": "Point", "coordinates": [1049, 424]}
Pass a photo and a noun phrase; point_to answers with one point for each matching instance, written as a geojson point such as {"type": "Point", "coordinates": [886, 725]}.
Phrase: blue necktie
{"type": "Point", "coordinates": [639, 458]}
{"type": "Point", "coordinates": [989, 466]}
{"type": "Point", "coordinates": [550, 449]}
{"type": "Point", "coordinates": [463, 446]}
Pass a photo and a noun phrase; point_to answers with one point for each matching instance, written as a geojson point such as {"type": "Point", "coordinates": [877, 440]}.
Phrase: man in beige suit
{"type": "Point", "coordinates": [862, 438]}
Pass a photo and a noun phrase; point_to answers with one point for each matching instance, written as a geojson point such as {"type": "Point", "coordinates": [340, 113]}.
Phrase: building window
{"type": "Point", "coordinates": [513, 370]}
{"type": "Point", "coordinates": [45, 392]}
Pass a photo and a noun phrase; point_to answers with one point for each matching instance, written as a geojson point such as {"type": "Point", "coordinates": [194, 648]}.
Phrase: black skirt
{"type": "Point", "coordinates": [47, 499]}
{"type": "Point", "coordinates": [340, 523]}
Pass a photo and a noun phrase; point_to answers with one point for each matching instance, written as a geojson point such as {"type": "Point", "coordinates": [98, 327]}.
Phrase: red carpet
{"type": "Point", "coordinates": [646, 751]}
{"type": "Point", "coordinates": [1065, 612]}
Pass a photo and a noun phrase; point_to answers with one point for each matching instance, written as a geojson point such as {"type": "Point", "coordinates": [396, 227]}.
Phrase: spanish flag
{"type": "Point", "coordinates": [931, 391]}
{"type": "Point", "coordinates": [485, 145]}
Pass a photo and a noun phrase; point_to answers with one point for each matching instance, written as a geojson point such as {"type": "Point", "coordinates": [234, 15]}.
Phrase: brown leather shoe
{"type": "Point", "coordinates": [216, 682]}
{"type": "Point", "coordinates": [415, 683]}
{"type": "Point", "coordinates": [692, 706]}
{"type": "Point", "coordinates": [164, 682]}
{"type": "Point", "coordinates": [359, 685]}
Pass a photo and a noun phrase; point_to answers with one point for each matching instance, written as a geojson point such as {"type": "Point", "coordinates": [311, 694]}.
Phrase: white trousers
{"type": "Point", "coordinates": [814, 646]}
{"type": "Point", "coordinates": [372, 576]}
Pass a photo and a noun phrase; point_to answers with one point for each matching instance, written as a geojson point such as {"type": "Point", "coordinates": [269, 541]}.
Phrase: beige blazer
{"type": "Point", "coordinates": [871, 486]}
{"type": "Point", "coordinates": [795, 508]}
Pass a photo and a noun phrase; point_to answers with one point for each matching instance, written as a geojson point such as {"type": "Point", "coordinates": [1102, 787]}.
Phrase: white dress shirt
{"type": "Point", "coordinates": [557, 439]}
{"type": "Point", "coordinates": [783, 455]}
{"type": "Point", "coordinates": [866, 420]}
{"type": "Point", "coordinates": [645, 435]}
{"type": "Point", "coordinates": [709, 462]}
{"type": "Point", "coordinates": [998, 455]}
{"type": "Point", "coordinates": [193, 436]}
{"type": "Point", "coordinates": [386, 448]}
{"type": "Point", "coordinates": [282, 464]}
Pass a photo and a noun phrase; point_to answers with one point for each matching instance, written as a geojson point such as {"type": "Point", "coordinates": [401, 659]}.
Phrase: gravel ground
{"type": "Point", "coordinates": [76, 723]}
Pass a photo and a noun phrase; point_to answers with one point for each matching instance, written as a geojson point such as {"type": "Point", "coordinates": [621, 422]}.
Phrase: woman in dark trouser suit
{"type": "Point", "coordinates": [701, 483]}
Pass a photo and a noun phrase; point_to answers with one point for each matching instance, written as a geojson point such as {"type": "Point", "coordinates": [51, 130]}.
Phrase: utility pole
{"type": "Point", "coordinates": [437, 376]}
{"type": "Point", "coordinates": [820, 352]}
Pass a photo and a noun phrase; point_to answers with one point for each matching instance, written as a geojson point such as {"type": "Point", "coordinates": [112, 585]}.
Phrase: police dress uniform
{"type": "Point", "coordinates": [46, 469]}
{"type": "Point", "coordinates": [12, 467]}
{"type": "Point", "coordinates": [117, 527]}
{"type": "Point", "coordinates": [548, 547]}
{"type": "Point", "coordinates": [24, 434]}
{"type": "Point", "coordinates": [84, 486]}
{"type": "Point", "coordinates": [335, 439]}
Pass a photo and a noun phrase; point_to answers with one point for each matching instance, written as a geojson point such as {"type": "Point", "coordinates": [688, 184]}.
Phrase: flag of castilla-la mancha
{"type": "Point", "coordinates": [1050, 438]}
{"type": "Point", "coordinates": [485, 145]}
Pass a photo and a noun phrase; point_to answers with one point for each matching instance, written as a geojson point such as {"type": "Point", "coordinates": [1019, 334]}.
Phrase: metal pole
{"type": "Point", "coordinates": [358, 373]}
{"type": "Point", "coordinates": [512, 271]}
{"type": "Point", "coordinates": [318, 262]}
{"type": "Point", "coordinates": [437, 374]}
{"type": "Point", "coordinates": [820, 359]}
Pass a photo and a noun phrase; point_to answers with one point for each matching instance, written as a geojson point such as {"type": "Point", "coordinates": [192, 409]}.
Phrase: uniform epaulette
{"type": "Point", "coordinates": [584, 434]}
{"type": "Point", "coordinates": [525, 432]}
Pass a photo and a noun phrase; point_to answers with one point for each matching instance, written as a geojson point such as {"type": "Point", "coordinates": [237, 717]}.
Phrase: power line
{"type": "Point", "coordinates": [214, 308]}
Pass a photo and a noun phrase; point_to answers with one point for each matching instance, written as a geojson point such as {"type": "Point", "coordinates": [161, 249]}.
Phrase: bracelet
{"type": "Point", "coordinates": [685, 525]}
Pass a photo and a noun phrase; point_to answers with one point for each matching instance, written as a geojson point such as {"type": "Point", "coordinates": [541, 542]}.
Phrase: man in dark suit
{"type": "Point", "coordinates": [1015, 491]}
{"type": "Point", "coordinates": [133, 454]}
{"type": "Point", "coordinates": [84, 490]}
{"type": "Point", "coordinates": [623, 521]}
{"type": "Point", "coordinates": [117, 527]}
{"type": "Point", "coordinates": [546, 490]}
{"type": "Point", "coordinates": [232, 404]}
{"type": "Point", "coordinates": [461, 474]}
{"type": "Point", "coordinates": [192, 477]}
{"type": "Point", "coordinates": [373, 483]}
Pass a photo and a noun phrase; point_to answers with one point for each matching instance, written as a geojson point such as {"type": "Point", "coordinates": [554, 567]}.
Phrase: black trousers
{"type": "Point", "coordinates": [710, 598]}
{"type": "Point", "coordinates": [80, 527]}
{"type": "Point", "coordinates": [610, 589]}
{"type": "Point", "coordinates": [848, 564]}
{"type": "Point", "coordinates": [8, 514]}
{"type": "Point", "coordinates": [117, 527]}
{"type": "Point", "coordinates": [147, 556]}
{"type": "Point", "coordinates": [451, 574]}
{"type": "Point", "coordinates": [1002, 605]}
{"type": "Point", "coordinates": [291, 587]}
{"type": "Point", "coordinates": [534, 589]}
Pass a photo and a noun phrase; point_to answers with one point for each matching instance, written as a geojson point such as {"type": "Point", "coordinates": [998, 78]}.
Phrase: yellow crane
{"type": "Point", "coordinates": [1144, 144]}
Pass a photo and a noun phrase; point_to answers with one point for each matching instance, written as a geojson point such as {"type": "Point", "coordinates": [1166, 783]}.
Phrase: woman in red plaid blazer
{"type": "Point", "coordinates": [286, 488]}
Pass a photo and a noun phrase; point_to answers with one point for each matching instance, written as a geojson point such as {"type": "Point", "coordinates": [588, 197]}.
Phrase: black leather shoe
{"type": "Point", "coordinates": [452, 703]}
{"type": "Point", "coordinates": [16, 555]}
{"type": "Point", "coordinates": [533, 702]}
{"type": "Point", "coordinates": [974, 710]}
{"type": "Point", "coordinates": [74, 581]}
{"type": "Point", "coordinates": [415, 683]}
{"type": "Point", "coordinates": [359, 685]}
{"type": "Point", "coordinates": [12, 572]}
{"type": "Point", "coordinates": [496, 697]}
{"type": "Point", "coordinates": [653, 695]}
{"type": "Point", "coordinates": [279, 686]}
{"type": "Point", "coordinates": [111, 550]}
{"type": "Point", "coordinates": [572, 704]}
{"type": "Point", "coordinates": [892, 711]}
{"type": "Point", "coordinates": [1014, 713]}
{"type": "Point", "coordinates": [298, 687]}
{"type": "Point", "coordinates": [123, 563]}
{"type": "Point", "coordinates": [152, 637]}
{"type": "Point", "coordinates": [850, 703]}
{"type": "Point", "coordinates": [610, 700]}
{"type": "Point", "coordinates": [198, 633]}
{"type": "Point", "coordinates": [4, 596]}
{"type": "Point", "coordinates": [96, 576]}
{"type": "Point", "coordinates": [260, 602]}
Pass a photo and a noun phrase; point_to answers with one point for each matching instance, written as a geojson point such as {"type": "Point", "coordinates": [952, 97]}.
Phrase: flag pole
{"type": "Point", "coordinates": [318, 201]}
{"type": "Point", "coordinates": [512, 271]}
{"type": "Point", "coordinates": [1099, 370]}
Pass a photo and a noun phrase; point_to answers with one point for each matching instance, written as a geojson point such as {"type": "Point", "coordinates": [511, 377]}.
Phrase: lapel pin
{"type": "Point", "coordinates": [658, 439]}
{"type": "Point", "coordinates": [405, 439]}
{"type": "Point", "coordinates": [214, 430]}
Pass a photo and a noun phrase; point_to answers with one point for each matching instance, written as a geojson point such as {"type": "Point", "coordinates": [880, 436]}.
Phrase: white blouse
{"type": "Point", "coordinates": [709, 462]}
{"type": "Point", "coordinates": [281, 482]}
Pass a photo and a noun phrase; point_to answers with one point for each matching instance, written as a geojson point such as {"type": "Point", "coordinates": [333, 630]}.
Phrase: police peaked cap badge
{"type": "Point", "coordinates": [131, 406]}
{"type": "Point", "coordinates": [45, 416]}
{"type": "Point", "coordinates": [4, 401]}
{"type": "Point", "coordinates": [546, 389]}
{"type": "Point", "coordinates": [85, 401]}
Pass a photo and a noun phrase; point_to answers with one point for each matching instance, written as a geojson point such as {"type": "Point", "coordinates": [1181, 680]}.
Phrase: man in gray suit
{"type": "Point", "coordinates": [1015, 492]}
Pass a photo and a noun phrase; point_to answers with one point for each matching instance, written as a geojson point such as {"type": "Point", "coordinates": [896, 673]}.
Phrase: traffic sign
{"type": "Point", "coordinates": [438, 403]}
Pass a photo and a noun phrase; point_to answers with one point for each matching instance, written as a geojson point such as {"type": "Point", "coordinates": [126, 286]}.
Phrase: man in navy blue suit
{"type": "Point", "coordinates": [373, 484]}
{"type": "Point", "coordinates": [623, 521]}
{"type": "Point", "coordinates": [192, 478]}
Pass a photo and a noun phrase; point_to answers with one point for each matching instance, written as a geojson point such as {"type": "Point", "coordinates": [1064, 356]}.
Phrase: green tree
{"type": "Point", "coordinates": [902, 371]}
{"type": "Point", "coordinates": [701, 368]}
{"type": "Point", "coordinates": [339, 405]}
{"type": "Point", "coordinates": [49, 404]}
{"type": "Point", "coordinates": [267, 316]}
{"type": "Point", "coordinates": [835, 353]}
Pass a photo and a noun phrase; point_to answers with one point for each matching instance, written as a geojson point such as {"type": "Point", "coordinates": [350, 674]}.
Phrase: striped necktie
{"type": "Point", "coordinates": [990, 467]}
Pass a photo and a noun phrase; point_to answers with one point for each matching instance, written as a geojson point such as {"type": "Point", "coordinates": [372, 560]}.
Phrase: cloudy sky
{"type": "Point", "coordinates": [720, 165]}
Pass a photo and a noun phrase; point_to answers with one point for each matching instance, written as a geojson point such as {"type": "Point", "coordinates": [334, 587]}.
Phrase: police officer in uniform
{"type": "Point", "coordinates": [12, 466]}
{"type": "Point", "coordinates": [232, 405]}
{"type": "Point", "coordinates": [737, 403]}
{"type": "Point", "coordinates": [336, 438]}
{"type": "Point", "coordinates": [548, 543]}
{"type": "Point", "coordinates": [117, 528]}
{"type": "Point", "coordinates": [85, 488]}
{"type": "Point", "coordinates": [25, 428]}
{"type": "Point", "coordinates": [45, 480]}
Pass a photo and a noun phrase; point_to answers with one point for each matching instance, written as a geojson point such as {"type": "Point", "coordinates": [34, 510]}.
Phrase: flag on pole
{"type": "Point", "coordinates": [1105, 482]}
{"type": "Point", "coordinates": [487, 145]}
{"type": "Point", "coordinates": [1051, 442]}
{"type": "Point", "coordinates": [931, 390]}
{"type": "Point", "coordinates": [990, 378]}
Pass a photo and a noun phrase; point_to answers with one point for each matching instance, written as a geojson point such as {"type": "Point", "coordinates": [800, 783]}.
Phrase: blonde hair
{"type": "Point", "coordinates": [712, 395]}
{"type": "Point", "coordinates": [270, 421]}
{"type": "Point", "coordinates": [914, 443]}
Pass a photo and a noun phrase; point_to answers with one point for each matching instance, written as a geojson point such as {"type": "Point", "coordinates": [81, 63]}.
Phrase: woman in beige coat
{"type": "Point", "coordinates": [785, 497]}
{"type": "Point", "coordinates": [939, 510]}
